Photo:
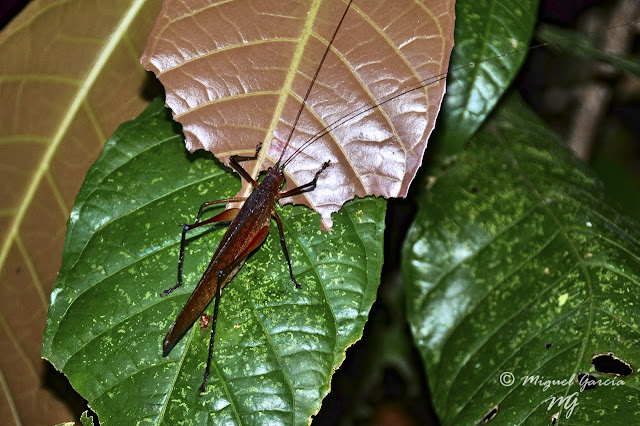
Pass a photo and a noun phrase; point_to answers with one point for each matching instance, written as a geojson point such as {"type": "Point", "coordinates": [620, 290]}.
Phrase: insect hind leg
{"type": "Point", "coordinates": [225, 216]}
{"type": "Point", "coordinates": [207, 370]}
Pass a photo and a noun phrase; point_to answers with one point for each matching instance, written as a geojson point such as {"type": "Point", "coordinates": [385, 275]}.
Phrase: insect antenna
{"type": "Point", "coordinates": [377, 103]}
{"type": "Point", "coordinates": [313, 80]}
{"type": "Point", "coordinates": [411, 88]}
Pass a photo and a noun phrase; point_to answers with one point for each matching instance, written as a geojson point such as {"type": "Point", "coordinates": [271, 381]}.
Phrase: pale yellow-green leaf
{"type": "Point", "coordinates": [69, 74]}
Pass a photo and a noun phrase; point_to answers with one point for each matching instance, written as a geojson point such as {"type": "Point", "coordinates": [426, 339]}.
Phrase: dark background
{"type": "Point", "coordinates": [10, 8]}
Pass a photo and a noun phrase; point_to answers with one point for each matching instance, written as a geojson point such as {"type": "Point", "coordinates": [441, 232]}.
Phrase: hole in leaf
{"type": "Point", "coordinates": [608, 363]}
{"type": "Point", "coordinates": [548, 345]}
{"type": "Point", "coordinates": [490, 415]}
{"type": "Point", "coordinates": [554, 418]}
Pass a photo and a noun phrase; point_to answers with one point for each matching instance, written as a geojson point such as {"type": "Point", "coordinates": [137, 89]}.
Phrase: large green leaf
{"type": "Point", "coordinates": [494, 35]}
{"type": "Point", "coordinates": [515, 265]}
{"type": "Point", "coordinates": [276, 347]}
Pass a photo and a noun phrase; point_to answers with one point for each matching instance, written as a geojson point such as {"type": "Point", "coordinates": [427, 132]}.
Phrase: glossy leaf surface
{"type": "Point", "coordinates": [494, 35]}
{"type": "Point", "coordinates": [276, 347]}
{"type": "Point", "coordinates": [235, 74]}
{"type": "Point", "coordinates": [516, 266]}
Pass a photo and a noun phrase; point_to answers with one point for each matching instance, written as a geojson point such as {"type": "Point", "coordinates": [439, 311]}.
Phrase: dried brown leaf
{"type": "Point", "coordinates": [235, 74]}
{"type": "Point", "coordinates": [69, 74]}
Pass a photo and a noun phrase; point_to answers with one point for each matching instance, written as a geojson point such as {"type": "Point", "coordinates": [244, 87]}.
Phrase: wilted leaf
{"type": "Point", "coordinates": [235, 74]}
{"type": "Point", "coordinates": [69, 74]}
{"type": "Point", "coordinates": [515, 265]}
{"type": "Point", "coordinates": [276, 347]}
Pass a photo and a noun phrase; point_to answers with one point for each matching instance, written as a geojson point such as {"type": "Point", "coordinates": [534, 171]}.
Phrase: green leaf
{"type": "Point", "coordinates": [495, 35]}
{"type": "Point", "coordinates": [514, 264]}
{"type": "Point", "coordinates": [276, 347]}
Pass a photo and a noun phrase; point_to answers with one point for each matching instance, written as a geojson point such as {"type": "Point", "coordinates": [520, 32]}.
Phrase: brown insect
{"type": "Point", "coordinates": [248, 229]}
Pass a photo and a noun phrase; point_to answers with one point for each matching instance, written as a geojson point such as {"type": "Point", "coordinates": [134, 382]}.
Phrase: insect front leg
{"type": "Point", "coordinates": [225, 216]}
{"type": "Point", "coordinates": [309, 186]}
{"type": "Point", "coordinates": [235, 160]}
